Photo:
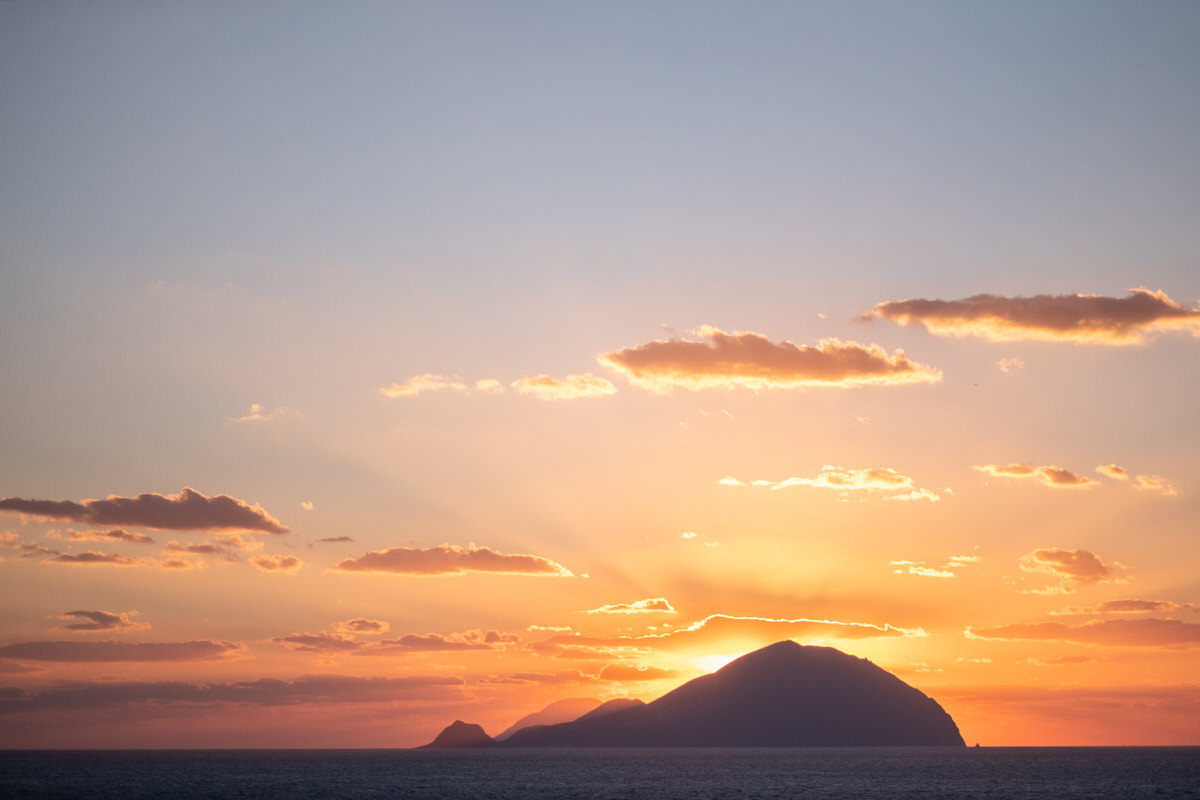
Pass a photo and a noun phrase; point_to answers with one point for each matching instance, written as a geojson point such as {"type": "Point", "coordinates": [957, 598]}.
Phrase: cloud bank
{"type": "Point", "coordinates": [188, 510]}
{"type": "Point", "coordinates": [1083, 318]}
{"type": "Point", "coordinates": [87, 652]}
{"type": "Point", "coordinates": [448, 559]}
{"type": "Point", "coordinates": [751, 361]}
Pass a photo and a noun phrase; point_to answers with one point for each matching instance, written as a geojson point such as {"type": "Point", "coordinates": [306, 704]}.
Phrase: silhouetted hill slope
{"type": "Point", "coordinates": [611, 707]}
{"type": "Point", "coordinates": [784, 695]}
{"type": "Point", "coordinates": [460, 734]}
{"type": "Point", "coordinates": [556, 712]}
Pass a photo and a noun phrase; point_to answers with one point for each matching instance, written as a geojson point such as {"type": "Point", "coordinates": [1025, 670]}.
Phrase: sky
{"type": "Point", "coordinates": [367, 366]}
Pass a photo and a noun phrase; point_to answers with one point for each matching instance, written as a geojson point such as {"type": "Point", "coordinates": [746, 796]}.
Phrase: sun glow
{"type": "Point", "coordinates": [714, 661]}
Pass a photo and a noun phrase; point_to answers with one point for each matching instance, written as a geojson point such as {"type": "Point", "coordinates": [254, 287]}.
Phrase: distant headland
{"type": "Point", "coordinates": [784, 695]}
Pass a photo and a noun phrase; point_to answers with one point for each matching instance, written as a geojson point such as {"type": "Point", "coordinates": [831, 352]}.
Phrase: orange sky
{"type": "Point", "coordinates": [364, 371]}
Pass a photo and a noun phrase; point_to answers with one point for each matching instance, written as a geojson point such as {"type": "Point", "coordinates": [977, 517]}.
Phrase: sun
{"type": "Point", "coordinates": [714, 661]}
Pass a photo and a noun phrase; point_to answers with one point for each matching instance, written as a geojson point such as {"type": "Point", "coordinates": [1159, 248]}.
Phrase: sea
{"type": "Point", "coordinates": [1094, 773]}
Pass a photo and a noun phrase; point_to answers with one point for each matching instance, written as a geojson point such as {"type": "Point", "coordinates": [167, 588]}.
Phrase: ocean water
{"type": "Point", "coordinates": [1127, 773]}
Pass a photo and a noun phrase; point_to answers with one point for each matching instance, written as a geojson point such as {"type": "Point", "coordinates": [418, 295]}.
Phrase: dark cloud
{"type": "Point", "coordinates": [261, 692]}
{"type": "Point", "coordinates": [87, 652]}
{"type": "Point", "coordinates": [361, 625]}
{"type": "Point", "coordinates": [1071, 567]}
{"type": "Point", "coordinates": [750, 360]}
{"type": "Point", "coordinates": [336, 539]}
{"type": "Point", "coordinates": [449, 559]}
{"type": "Point", "coordinates": [87, 621]}
{"type": "Point", "coordinates": [90, 558]}
{"type": "Point", "coordinates": [1090, 319]}
{"type": "Point", "coordinates": [188, 510]}
{"type": "Point", "coordinates": [1109, 632]}
{"type": "Point", "coordinates": [114, 535]}
{"type": "Point", "coordinates": [344, 642]}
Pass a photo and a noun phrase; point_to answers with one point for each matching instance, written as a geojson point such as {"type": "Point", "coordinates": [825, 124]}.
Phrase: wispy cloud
{"type": "Point", "coordinates": [1050, 475]}
{"type": "Point", "coordinates": [573, 387]}
{"type": "Point", "coordinates": [1109, 632]}
{"type": "Point", "coordinates": [448, 559]}
{"type": "Point", "coordinates": [751, 361]}
{"type": "Point", "coordinates": [114, 535]}
{"type": "Point", "coordinates": [873, 479]}
{"type": "Point", "coordinates": [258, 413]}
{"type": "Point", "coordinates": [1126, 607]}
{"type": "Point", "coordinates": [946, 570]}
{"type": "Point", "coordinates": [345, 642]}
{"type": "Point", "coordinates": [93, 621]}
{"type": "Point", "coordinates": [1083, 318]}
{"type": "Point", "coordinates": [429, 382]}
{"type": "Point", "coordinates": [649, 605]}
{"type": "Point", "coordinates": [188, 510]}
{"type": "Point", "coordinates": [103, 651]}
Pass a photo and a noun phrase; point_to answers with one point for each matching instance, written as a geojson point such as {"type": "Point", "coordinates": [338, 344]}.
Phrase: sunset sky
{"type": "Point", "coordinates": [367, 366]}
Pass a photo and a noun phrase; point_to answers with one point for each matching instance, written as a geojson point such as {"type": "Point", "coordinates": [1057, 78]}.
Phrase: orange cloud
{"type": "Point", "coordinates": [324, 642]}
{"type": "Point", "coordinates": [1113, 471]}
{"type": "Point", "coordinates": [1084, 318]}
{"type": "Point", "coordinates": [946, 570]}
{"type": "Point", "coordinates": [90, 621]}
{"type": "Point", "coordinates": [721, 630]}
{"type": "Point", "coordinates": [1052, 476]}
{"type": "Point", "coordinates": [630, 673]}
{"type": "Point", "coordinates": [573, 387]}
{"type": "Point", "coordinates": [650, 604]}
{"type": "Point", "coordinates": [751, 361]}
{"type": "Point", "coordinates": [1125, 607]}
{"type": "Point", "coordinates": [285, 565]}
{"type": "Point", "coordinates": [448, 559]}
{"type": "Point", "coordinates": [874, 479]}
{"type": "Point", "coordinates": [188, 510]}
{"type": "Point", "coordinates": [1071, 567]}
{"type": "Point", "coordinates": [1155, 483]}
{"type": "Point", "coordinates": [88, 652]}
{"type": "Point", "coordinates": [1109, 632]}
{"type": "Point", "coordinates": [361, 625]}
{"type": "Point", "coordinates": [429, 382]}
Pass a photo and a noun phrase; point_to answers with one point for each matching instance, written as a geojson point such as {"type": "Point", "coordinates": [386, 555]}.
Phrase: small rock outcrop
{"type": "Point", "coordinates": [460, 734]}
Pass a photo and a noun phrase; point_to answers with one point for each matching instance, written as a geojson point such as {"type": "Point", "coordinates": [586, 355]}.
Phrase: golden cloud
{"type": "Point", "coordinates": [1083, 318]}
{"type": "Point", "coordinates": [873, 479]}
{"type": "Point", "coordinates": [649, 605]}
{"type": "Point", "coordinates": [751, 361]}
{"type": "Point", "coordinates": [285, 565]}
{"type": "Point", "coordinates": [188, 510]}
{"type": "Point", "coordinates": [573, 387]}
{"type": "Point", "coordinates": [448, 559]}
{"type": "Point", "coordinates": [1050, 475]}
{"type": "Point", "coordinates": [429, 382]}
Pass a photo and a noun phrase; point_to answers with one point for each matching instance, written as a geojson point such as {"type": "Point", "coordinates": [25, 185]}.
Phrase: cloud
{"type": "Point", "coordinates": [1052, 476]}
{"type": "Point", "coordinates": [306, 505]}
{"type": "Point", "coordinates": [340, 642]}
{"type": "Point", "coordinates": [946, 570]}
{"type": "Point", "coordinates": [114, 535]}
{"type": "Point", "coordinates": [448, 559]}
{"type": "Point", "coordinates": [336, 539]}
{"type": "Point", "coordinates": [258, 414]}
{"type": "Point", "coordinates": [650, 604]}
{"type": "Point", "coordinates": [721, 630]}
{"type": "Point", "coordinates": [573, 387]}
{"type": "Point", "coordinates": [751, 361]}
{"type": "Point", "coordinates": [1155, 483]}
{"type": "Point", "coordinates": [88, 652]}
{"type": "Point", "coordinates": [1109, 632]}
{"type": "Point", "coordinates": [88, 621]}
{"type": "Point", "coordinates": [1083, 318]}
{"type": "Point", "coordinates": [286, 565]}
{"type": "Point", "coordinates": [1125, 607]}
{"type": "Point", "coordinates": [188, 510]}
{"type": "Point", "coordinates": [191, 549]}
{"type": "Point", "coordinates": [361, 625]}
{"type": "Point", "coordinates": [261, 692]}
{"type": "Point", "coordinates": [1011, 365]}
{"type": "Point", "coordinates": [90, 558]}
{"type": "Point", "coordinates": [1071, 567]}
{"type": "Point", "coordinates": [873, 479]}
{"type": "Point", "coordinates": [429, 382]}
{"type": "Point", "coordinates": [572, 676]}
{"type": "Point", "coordinates": [489, 385]}
{"type": "Point", "coordinates": [628, 672]}
{"type": "Point", "coordinates": [1113, 471]}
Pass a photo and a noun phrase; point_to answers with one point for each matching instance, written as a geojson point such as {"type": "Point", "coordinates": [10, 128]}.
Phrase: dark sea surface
{"type": "Point", "coordinates": [600, 774]}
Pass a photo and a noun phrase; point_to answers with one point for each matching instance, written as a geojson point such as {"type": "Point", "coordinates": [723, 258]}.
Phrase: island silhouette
{"type": "Point", "coordinates": [783, 695]}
